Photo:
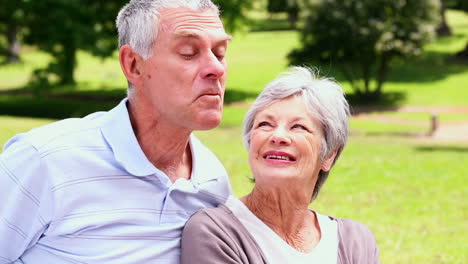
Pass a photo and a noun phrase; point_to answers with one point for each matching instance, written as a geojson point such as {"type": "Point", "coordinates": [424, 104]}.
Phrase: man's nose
{"type": "Point", "coordinates": [213, 67]}
{"type": "Point", "coordinates": [280, 137]}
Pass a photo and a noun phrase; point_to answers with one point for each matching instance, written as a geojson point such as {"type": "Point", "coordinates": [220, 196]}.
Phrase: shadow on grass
{"type": "Point", "coordinates": [65, 103]}
{"type": "Point", "coordinates": [236, 95]}
{"type": "Point", "coordinates": [58, 102]}
{"type": "Point", "coordinates": [442, 149]}
{"type": "Point", "coordinates": [389, 101]}
{"type": "Point", "coordinates": [57, 108]}
{"type": "Point", "coordinates": [433, 66]}
{"type": "Point", "coordinates": [269, 24]}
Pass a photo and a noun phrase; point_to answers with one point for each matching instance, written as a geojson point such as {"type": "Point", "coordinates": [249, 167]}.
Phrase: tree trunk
{"type": "Point", "coordinates": [13, 43]}
{"type": "Point", "coordinates": [67, 63]}
{"type": "Point", "coordinates": [443, 29]}
{"type": "Point", "coordinates": [293, 16]}
{"type": "Point", "coordinates": [366, 77]}
{"type": "Point", "coordinates": [382, 73]}
{"type": "Point", "coordinates": [463, 54]}
{"type": "Point", "coordinates": [348, 76]}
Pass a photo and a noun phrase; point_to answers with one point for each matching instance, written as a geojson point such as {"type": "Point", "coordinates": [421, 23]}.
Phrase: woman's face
{"type": "Point", "coordinates": [285, 144]}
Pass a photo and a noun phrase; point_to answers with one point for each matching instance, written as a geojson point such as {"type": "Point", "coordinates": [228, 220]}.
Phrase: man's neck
{"type": "Point", "coordinates": [166, 147]}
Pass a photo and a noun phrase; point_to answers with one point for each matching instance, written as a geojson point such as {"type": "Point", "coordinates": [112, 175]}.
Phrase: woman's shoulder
{"type": "Point", "coordinates": [349, 227]}
{"type": "Point", "coordinates": [218, 221]}
{"type": "Point", "coordinates": [215, 235]}
{"type": "Point", "coordinates": [209, 215]}
{"type": "Point", "coordinates": [356, 242]}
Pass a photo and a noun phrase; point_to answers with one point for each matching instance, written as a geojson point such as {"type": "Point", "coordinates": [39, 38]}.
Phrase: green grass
{"type": "Point", "coordinates": [421, 116]}
{"type": "Point", "coordinates": [410, 191]}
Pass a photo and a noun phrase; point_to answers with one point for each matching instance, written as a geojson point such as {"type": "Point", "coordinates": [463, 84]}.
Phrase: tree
{"type": "Point", "coordinates": [459, 5]}
{"type": "Point", "coordinates": [362, 37]}
{"type": "Point", "coordinates": [233, 12]}
{"type": "Point", "coordinates": [61, 27]}
{"type": "Point", "coordinates": [443, 29]}
{"type": "Point", "coordinates": [291, 7]}
{"type": "Point", "coordinates": [11, 21]}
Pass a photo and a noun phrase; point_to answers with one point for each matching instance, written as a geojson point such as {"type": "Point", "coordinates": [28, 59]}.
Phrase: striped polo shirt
{"type": "Point", "coordinates": [81, 190]}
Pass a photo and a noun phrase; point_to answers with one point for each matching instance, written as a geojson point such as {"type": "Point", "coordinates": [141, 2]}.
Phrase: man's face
{"type": "Point", "coordinates": [184, 81]}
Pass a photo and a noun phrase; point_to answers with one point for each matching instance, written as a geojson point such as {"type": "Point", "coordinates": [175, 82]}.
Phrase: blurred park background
{"type": "Point", "coordinates": [403, 64]}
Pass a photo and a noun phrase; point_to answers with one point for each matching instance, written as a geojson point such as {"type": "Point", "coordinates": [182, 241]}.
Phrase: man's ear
{"type": "Point", "coordinates": [328, 162]}
{"type": "Point", "coordinates": [131, 64]}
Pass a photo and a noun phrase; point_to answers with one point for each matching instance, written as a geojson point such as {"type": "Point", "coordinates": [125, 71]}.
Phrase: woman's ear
{"type": "Point", "coordinates": [328, 162]}
{"type": "Point", "coordinates": [131, 64]}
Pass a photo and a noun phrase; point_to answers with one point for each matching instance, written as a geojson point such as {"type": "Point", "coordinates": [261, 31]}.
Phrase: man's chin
{"type": "Point", "coordinates": [209, 121]}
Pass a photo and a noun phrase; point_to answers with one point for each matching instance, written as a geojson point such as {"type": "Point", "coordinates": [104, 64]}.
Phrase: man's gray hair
{"type": "Point", "coordinates": [323, 97]}
{"type": "Point", "coordinates": [138, 21]}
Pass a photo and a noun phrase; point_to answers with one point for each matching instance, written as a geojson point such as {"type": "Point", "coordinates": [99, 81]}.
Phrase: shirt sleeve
{"type": "Point", "coordinates": [203, 241]}
{"type": "Point", "coordinates": [356, 243]}
{"type": "Point", "coordinates": [25, 199]}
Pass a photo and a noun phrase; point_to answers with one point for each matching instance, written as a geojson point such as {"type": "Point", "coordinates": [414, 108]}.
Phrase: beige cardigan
{"type": "Point", "coordinates": [215, 235]}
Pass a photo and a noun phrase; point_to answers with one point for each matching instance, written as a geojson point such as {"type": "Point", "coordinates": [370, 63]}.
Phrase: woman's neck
{"type": "Point", "coordinates": [287, 214]}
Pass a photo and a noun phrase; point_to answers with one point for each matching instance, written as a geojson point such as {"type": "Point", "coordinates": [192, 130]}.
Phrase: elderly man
{"type": "Point", "coordinates": [118, 186]}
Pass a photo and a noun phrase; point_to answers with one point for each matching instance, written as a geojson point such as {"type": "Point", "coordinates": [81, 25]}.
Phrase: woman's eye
{"type": "Point", "coordinates": [263, 123]}
{"type": "Point", "coordinates": [300, 127]}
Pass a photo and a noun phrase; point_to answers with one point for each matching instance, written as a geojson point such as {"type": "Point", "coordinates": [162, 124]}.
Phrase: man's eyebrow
{"type": "Point", "coordinates": [191, 34]}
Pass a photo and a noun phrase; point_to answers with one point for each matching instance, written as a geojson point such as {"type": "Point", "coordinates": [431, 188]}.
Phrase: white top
{"type": "Point", "coordinates": [276, 250]}
{"type": "Point", "coordinates": [81, 190]}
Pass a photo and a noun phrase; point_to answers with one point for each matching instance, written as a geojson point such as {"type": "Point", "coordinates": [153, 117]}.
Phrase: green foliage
{"type": "Point", "coordinates": [233, 13]}
{"type": "Point", "coordinates": [363, 37]}
{"type": "Point", "coordinates": [456, 4]}
{"type": "Point", "coordinates": [291, 7]}
{"type": "Point", "coordinates": [12, 15]}
{"type": "Point", "coordinates": [61, 27]}
{"type": "Point", "coordinates": [72, 25]}
{"type": "Point", "coordinates": [460, 5]}
{"type": "Point", "coordinates": [276, 6]}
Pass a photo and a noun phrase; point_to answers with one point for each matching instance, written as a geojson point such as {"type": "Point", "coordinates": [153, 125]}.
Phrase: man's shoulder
{"type": "Point", "coordinates": [66, 132]}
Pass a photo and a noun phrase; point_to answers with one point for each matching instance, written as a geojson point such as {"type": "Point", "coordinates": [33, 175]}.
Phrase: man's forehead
{"type": "Point", "coordinates": [175, 19]}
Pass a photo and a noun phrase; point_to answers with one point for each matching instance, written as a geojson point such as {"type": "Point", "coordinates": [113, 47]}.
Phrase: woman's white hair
{"type": "Point", "coordinates": [323, 97]}
{"type": "Point", "coordinates": [138, 21]}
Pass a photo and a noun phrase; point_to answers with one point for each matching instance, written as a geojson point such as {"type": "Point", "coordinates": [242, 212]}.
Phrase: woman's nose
{"type": "Point", "coordinates": [280, 137]}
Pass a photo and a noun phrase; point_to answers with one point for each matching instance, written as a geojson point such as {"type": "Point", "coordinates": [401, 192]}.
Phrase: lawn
{"type": "Point", "coordinates": [410, 191]}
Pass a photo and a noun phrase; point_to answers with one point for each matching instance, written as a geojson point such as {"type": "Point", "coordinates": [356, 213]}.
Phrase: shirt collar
{"type": "Point", "coordinates": [118, 132]}
{"type": "Point", "coordinates": [205, 165]}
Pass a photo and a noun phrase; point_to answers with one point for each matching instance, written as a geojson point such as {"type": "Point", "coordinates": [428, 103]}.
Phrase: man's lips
{"type": "Point", "coordinates": [278, 156]}
{"type": "Point", "coordinates": [210, 94]}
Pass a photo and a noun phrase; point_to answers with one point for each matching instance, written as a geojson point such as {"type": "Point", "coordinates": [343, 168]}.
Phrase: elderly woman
{"type": "Point", "coordinates": [294, 132]}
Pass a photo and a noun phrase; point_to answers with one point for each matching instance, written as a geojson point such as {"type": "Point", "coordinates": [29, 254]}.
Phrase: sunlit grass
{"type": "Point", "coordinates": [411, 191]}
